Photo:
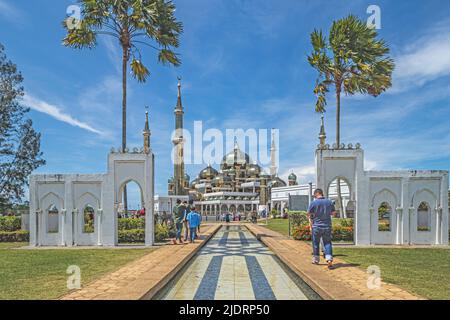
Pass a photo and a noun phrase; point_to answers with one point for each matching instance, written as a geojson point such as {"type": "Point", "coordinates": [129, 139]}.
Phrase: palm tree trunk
{"type": "Point", "coordinates": [124, 117]}
{"type": "Point", "coordinates": [338, 116]}
{"type": "Point", "coordinates": [338, 142]}
{"type": "Point", "coordinates": [339, 195]}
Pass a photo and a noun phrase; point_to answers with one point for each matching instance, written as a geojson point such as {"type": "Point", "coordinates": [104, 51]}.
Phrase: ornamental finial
{"type": "Point", "coordinates": [322, 134]}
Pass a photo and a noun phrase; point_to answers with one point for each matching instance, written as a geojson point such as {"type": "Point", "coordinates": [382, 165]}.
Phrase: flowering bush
{"type": "Point", "coordinates": [301, 232]}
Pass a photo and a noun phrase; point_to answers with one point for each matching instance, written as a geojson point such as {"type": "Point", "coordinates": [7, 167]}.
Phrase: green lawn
{"type": "Point", "coordinates": [424, 271]}
{"type": "Point", "coordinates": [41, 274]}
{"type": "Point", "coordinates": [279, 225]}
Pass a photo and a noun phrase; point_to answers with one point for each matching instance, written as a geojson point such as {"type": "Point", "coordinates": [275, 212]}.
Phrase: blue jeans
{"type": "Point", "coordinates": [323, 233]}
{"type": "Point", "coordinates": [193, 233]}
{"type": "Point", "coordinates": [179, 227]}
{"type": "Point", "coordinates": [186, 230]}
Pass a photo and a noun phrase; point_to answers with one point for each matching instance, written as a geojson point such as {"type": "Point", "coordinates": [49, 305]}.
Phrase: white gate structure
{"type": "Point", "coordinates": [391, 207]}
{"type": "Point", "coordinates": [58, 202]}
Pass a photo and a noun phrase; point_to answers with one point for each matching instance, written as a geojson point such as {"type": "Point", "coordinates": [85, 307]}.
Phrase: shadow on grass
{"type": "Point", "coordinates": [345, 265]}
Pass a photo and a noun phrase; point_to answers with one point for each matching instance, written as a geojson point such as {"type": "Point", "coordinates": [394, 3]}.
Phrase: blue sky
{"type": "Point", "coordinates": [244, 66]}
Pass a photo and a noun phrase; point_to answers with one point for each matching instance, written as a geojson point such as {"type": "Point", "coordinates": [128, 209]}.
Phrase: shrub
{"type": "Point", "coordinates": [343, 222]}
{"type": "Point", "coordinates": [10, 223]}
{"type": "Point", "coordinates": [132, 236]}
{"type": "Point", "coordinates": [339, 233]}
{"type": "Point", "coordinates": [298, 218]}
{"type": "Point", "coordinates": [301, 232]}
{"type": "Point", "coordinates": [14, 236]}
{"type": "Point", "coordinates": [162, 232]}
{"type": "Point", "coordinates": [131, 223]}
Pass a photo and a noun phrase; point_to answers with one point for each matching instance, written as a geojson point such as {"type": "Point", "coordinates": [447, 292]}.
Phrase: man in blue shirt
{"type": "Point", "coordinates": [319, 214]}
{"type": "Point", "coordinates": [194, 219]}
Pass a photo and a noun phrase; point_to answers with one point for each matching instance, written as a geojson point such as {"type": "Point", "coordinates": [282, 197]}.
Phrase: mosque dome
{"type": "Point", "coordinates": [193, 183]}
{"type": "Point", "coordinates": [187, 177]}
{"type": "Point", "coordinates": [254, 169]}
{"type": "Point", "coordinates": [237, 156]}
{"type": "Point", "coordinates": [208, 173]}
{"type": "Point", "coordinates": [292, 177]}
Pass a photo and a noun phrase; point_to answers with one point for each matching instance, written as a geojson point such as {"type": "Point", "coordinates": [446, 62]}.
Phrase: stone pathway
{"type": "Point", "coordinates": [345, 282]}
{"type": "Point", "coordinates": [144, 277]}
{"type": "Point", "coordinates": [234, 265]}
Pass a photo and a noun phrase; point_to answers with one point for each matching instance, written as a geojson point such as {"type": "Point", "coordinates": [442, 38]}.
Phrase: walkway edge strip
{"type": "Point", "coordinates": [165, 280]}
{"type": "Point", "coordinates": [309, 281]}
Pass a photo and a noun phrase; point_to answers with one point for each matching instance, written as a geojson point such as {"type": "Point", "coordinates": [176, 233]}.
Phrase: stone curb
{"type": "Point", "coordinates": [164, 281]}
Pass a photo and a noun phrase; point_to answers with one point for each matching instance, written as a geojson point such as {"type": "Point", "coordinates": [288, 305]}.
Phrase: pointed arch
{"type": "Point", "coordinates": [390, 196]}
{"type": "Point", "coordinates": [426, 195]}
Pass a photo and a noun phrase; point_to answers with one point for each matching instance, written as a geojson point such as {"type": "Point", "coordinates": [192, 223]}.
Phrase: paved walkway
{"type": "Point", "coordinates": [234, 265]}
{"type": "Point", "coordinates": [144, 277]}
{"type": "Point", "coordinates": [345, 282]}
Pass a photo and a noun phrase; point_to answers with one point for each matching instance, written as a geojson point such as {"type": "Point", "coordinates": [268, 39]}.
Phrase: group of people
{"type": "Point", "coordinates": [320, 212]}
{"type": "Point", "coordinates": [186, 217]}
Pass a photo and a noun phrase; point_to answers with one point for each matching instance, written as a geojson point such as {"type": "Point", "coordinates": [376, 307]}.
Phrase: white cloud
{"type": "Point", "coordinates": [112, 50]}
{"type": "Point", "coordinates": [426, 59]}
{"type": "Point", "coordinates": [57, 113]}
{"type": "Point", "coordinates": [304, 174]}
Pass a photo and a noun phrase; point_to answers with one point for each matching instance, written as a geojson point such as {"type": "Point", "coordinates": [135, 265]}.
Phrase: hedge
{"type": "Point", "coordinates": [131, 223]}
{"type": "Point", "coordinates": [14, 236]}
{"type": "Point", "coordinates": [132, 236]}
{"type": "Point", "coordinates": [10, 223]}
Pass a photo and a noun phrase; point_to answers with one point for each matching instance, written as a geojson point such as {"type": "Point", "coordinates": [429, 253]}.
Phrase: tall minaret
{"type": "Point", "coordinates": [178, 141]}
{"type": "Point", "coordinates": [146, 134]}
{"type": "Point", "coordinates": [273, 157]}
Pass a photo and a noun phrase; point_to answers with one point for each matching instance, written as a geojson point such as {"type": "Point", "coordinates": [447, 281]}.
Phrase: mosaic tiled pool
{"type": "Point", "coordinates": [234, 265]}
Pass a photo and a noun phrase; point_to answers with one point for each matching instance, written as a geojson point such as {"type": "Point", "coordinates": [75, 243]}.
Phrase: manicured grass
{"type": "Point", "coordinates": [279, 225]}
{"type": "Point", "coordinates": [41, 273]}
{"type": "Point", "coordinates": [424, 271]}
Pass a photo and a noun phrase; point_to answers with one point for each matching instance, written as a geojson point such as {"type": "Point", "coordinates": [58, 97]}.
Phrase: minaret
{"type": "Point", "coordinates": [322, 134]}
{"type": "Point", "coordinates": [146, 133]}
{"type": "Point", "coordinates": [178, 141]}
{"type": "Point", "coordinates": [273, 159]}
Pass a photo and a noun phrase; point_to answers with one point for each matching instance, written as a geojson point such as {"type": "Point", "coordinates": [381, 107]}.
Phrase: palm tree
{"type": "Point", "coordinates": [133, 23]}
{"type": "Point", "coordinates": [352, 60]}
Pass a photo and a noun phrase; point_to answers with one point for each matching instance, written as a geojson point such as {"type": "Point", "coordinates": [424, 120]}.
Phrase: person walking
{"type": "Point", "coordinates": [185, 223]}
{"type": "Point", "coordinates": [320, 212]}
{"type": "Point", "coordinates": [194, 221]}
{"type": "Point", "coordinates": [178, 215]}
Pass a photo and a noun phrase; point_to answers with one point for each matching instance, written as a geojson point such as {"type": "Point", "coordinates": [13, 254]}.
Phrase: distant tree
{"type": "Point", "coordinates": [133, 23]}
{"type": "Point", "coordinates": [19, 143]}
{"type": "Point", "coordinates": [352, 60]}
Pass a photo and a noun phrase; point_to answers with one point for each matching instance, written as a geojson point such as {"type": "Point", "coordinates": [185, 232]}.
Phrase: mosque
{"type": "Point", "coordinates": [239, 186]}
